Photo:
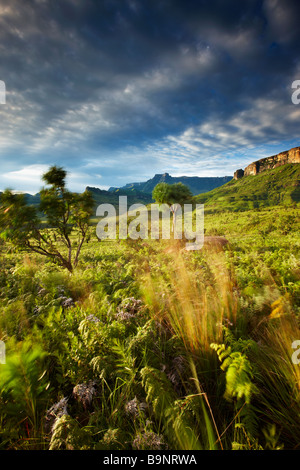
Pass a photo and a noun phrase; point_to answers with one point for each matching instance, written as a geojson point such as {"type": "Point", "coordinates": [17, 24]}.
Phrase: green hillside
{"type": "Point", "coordinates": [102, 196]}
{"type": "Point", "coordinates": [278, 186]}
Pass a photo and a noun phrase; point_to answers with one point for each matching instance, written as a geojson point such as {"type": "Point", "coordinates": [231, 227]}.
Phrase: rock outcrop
{"type": "Point", "coordinates": [289, 156]}
{"type": "Point", "coordinates": [238, 174]}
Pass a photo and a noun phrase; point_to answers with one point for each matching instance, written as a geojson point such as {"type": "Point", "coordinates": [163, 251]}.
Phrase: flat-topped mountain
{"type": "Point", "coordinates": [269, 163]}
{"type": "Point", "coordinates": [196, 184]}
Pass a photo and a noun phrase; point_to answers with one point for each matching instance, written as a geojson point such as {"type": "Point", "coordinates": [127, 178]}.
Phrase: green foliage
{"type": "Point", "coordinates": [239, 372]}
{"type": "Point", "coordinates": [170, 194]}
{"type": "Point", "coordinates": [68, 435]}
{"type": "Point", "coordinates": [165, 407]}
{"type": "Point", "coordinates": [67, 213]}
{"type": "Point", "coordinates": [154, 383]}
{"type": "Point", "coordinates": [24, 390]}
{"type": "Point", "coordinates": [240, 377]}
{"type": "Point", "coordinates": [18, 220]}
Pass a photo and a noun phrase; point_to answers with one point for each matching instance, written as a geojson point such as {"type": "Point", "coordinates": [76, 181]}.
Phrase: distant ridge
{"type": "Point", "coordinates": [197, 184]}
{"type": "Point", "coordinates": [102, 196]}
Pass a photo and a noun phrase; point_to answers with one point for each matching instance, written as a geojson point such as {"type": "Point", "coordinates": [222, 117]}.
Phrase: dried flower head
{"type": "Point", "coordinates": [134, 407]}
{"type": "Point", "coordinates": [66, 302]}
{"type": "Point", "coordinates": [85, 393]}
{"type": "Point", "coordinates": [92, 318]}
{"type": "Point", "coordinates": [56, 411]}
{"type": "Point", "coordinates": [128, 309]}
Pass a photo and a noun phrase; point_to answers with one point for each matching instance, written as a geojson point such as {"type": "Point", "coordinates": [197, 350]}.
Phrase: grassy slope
{"type": "Point", "coordinates": [278, 186]}
{"type": "Point", "coordinates": [158, 353]}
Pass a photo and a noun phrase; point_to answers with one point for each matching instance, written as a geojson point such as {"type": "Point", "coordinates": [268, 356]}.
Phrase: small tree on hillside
{"type": "Point", "coordinates": [67, 215]}
{"type": "Point", "coordinates": [174, 195]}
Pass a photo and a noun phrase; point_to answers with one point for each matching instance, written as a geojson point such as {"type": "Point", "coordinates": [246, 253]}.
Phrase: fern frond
{"type": "Point", "coordinates": [124, 361]}
{"type": "Point", "coordinates": [239, 375]}
{"type": "Point", "coordinates": [158, 389]}
{"type": "Point", "coordinates": [161, 396]}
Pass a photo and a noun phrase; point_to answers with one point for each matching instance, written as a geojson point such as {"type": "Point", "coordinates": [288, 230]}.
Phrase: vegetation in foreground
{"type": "Point", "coordinates": [147, 346]}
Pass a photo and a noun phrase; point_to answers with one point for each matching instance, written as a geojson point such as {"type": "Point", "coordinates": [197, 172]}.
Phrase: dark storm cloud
{"type": "Point", "coordinates": [116, 90]}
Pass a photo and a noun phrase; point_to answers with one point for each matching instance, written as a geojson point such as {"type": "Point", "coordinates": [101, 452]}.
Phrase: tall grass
{"type": "Point", "coordinates": [260, 384]}
{"type": "Point", "coordinates": [194, 303]}
{"type": "Point", "coordinates": [168, 348]}
{"type": "Point", "coordinates": [279, 399]}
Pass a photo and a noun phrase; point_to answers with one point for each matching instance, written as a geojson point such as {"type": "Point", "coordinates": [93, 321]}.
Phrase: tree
{"type": "Point", "coordinates": [174, 195]}
{"type": "Point", "coordinates": [67, 215]}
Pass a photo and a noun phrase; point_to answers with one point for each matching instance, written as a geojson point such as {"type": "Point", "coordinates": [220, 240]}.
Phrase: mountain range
{"type": "Point", "coordinates": [266, 182]}
{"type": "Point", "coordinates": [142, 192]}
{"type": "Point", "coordinates": [196, 184]}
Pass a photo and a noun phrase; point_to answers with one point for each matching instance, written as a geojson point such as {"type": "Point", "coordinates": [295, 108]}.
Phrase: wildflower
{"type": "Point", "coordinates": [124, 316]}
{"type": "Point", "coordinates": [129, 309]}
{"type": "Point", "coordinates": [92, 318]}
{"type": "Point", "coordinates": [66, 302]}
{"type": "Point", "coordinates": [85, 393]}
{"type": "Point", "coordinates": [134, 407]}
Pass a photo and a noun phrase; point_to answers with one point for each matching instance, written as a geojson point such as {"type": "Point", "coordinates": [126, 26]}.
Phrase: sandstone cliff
{"type": "Point", "coordinates": [289, 156]}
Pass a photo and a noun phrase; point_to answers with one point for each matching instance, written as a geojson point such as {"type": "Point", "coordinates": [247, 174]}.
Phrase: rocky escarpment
{"type": "Point", "coordinates": [289, 156]}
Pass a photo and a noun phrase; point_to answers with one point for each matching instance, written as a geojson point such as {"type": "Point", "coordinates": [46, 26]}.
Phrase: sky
{"type": "Point", "coordinates": [115, 91]}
